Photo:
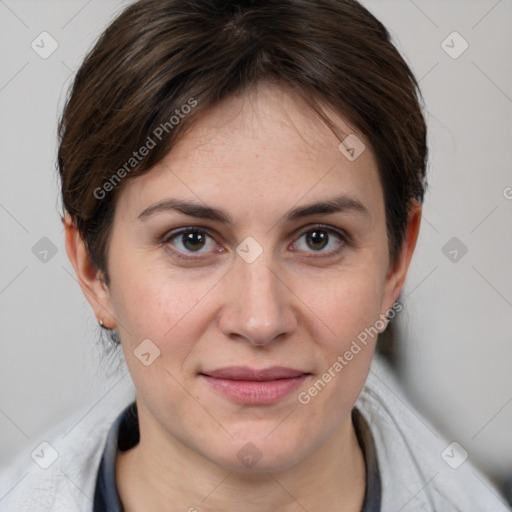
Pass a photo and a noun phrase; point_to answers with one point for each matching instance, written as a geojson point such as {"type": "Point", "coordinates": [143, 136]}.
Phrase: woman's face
{"type": "Point", "coordinates": [232, 275]}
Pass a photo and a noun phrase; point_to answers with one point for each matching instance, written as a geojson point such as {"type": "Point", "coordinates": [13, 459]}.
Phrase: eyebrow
{"type": "Point", "coordinates": [343, 204]}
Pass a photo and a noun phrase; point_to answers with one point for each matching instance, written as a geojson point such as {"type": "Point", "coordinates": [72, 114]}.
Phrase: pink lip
{"type": "Point", "coordinates": [255, 387]}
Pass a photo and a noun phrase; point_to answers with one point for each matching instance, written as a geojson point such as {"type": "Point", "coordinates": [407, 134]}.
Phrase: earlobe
{"type": "Point", "coordinates": [89, 278]}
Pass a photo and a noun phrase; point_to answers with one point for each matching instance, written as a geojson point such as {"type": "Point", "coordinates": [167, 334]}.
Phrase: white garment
{"type": "Point", "coordinates": [414, 476]}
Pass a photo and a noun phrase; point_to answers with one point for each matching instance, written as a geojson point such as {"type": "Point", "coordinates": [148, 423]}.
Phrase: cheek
{"type": "Point", "coordinates": [346, 310]}
{"type": "Point", "coordinates": [168, 311]}
{"type": "Point", "coordinates": [343, 305]}
{"type": "Point", "coordinates": [152, 301]}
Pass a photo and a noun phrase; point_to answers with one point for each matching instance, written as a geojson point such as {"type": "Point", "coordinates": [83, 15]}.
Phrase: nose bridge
{"type": "Point", "coordinates": [258, 307]}
{"type": "Point", "coordinates": [259, 288]}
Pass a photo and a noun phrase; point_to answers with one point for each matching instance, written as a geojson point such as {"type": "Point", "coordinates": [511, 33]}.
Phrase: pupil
{"type": "Point", "coordinates": [193, 240]}
{"type": "Point", "coordinates": [318, 239]}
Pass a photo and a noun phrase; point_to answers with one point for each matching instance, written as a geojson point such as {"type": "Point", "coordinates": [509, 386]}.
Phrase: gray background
{"type": "Point", "coordinates": [454, 343]}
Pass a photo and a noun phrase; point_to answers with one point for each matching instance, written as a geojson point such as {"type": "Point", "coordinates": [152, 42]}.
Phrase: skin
{"type": "Point", "coordinates": [255, 156]}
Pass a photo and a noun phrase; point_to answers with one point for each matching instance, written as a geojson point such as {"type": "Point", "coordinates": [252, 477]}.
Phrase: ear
{"type": "Point", "coordinates": [90, 279]}
{"type": "Point", "coordinates": [398, 271]}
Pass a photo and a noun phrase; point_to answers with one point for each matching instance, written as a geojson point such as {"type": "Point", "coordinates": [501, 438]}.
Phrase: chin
{"type": "Point", "coordinates": [260, 455]}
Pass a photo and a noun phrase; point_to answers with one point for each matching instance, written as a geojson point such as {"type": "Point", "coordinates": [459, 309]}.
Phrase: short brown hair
{"type": "Point", "coordinates": [159, 55]}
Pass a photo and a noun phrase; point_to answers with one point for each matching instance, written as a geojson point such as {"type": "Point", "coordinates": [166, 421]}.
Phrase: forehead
{"type": "Point", "coordinates": [262, 148]}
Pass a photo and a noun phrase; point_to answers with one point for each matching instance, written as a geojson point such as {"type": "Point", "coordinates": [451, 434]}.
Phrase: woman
{"type": "Point", "coordinates": [242, 186]}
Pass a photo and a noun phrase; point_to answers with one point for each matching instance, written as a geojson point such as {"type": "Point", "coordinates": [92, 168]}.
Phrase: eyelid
{"type": "Point", "coordinates": [345, 240]}
{"type": "Point", "coordinates": [326, 227]}
{"type": "Point", "coordinates": [166, 238]}
{"type": "Point", "coordinates": [168, 235]}
{"type": "Point", "coordinates": [342, 234]}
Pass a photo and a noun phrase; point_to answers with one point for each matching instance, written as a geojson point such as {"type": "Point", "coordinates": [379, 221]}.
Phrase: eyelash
{"type": "Point", "coordinates": [344, 240]}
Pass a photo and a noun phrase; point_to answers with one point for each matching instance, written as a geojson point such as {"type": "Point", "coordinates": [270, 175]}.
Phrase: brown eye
{"type": "Point", "coordinates": [191, 241]}
{"type": "Point", "coordinates": [323, 240]}
{"type": "Point", "coordinates": [317, 239]}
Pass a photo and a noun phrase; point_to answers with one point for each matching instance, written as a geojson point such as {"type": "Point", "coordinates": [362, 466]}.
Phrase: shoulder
{"type": "Point", "coordinates": [420, 469]}
{"type": "Point", "coordinates": [58, 471]}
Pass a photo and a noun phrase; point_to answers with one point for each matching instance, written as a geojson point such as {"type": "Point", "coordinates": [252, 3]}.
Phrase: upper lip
{"type": "Point", "coordinates": [253, 374]}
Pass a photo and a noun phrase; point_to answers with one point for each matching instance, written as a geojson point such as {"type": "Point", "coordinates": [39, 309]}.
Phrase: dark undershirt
{"type": "Point", "coordinates": [124, 434]}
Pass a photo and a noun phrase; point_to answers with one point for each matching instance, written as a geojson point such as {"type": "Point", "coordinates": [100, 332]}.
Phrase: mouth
{"type": "Point", "coordinates": [252, 386]}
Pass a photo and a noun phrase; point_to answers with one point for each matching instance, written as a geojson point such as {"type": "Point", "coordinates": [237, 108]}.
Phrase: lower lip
{"type": "Point", "coordinates": [256, 392]}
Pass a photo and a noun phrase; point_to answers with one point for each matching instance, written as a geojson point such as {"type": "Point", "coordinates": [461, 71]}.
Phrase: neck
{"type": "Point", "coordinates": [162, 470]}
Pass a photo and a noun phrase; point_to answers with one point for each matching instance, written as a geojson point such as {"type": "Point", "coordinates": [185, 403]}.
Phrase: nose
{"type": "Point", "coordinates": [258, 305]}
